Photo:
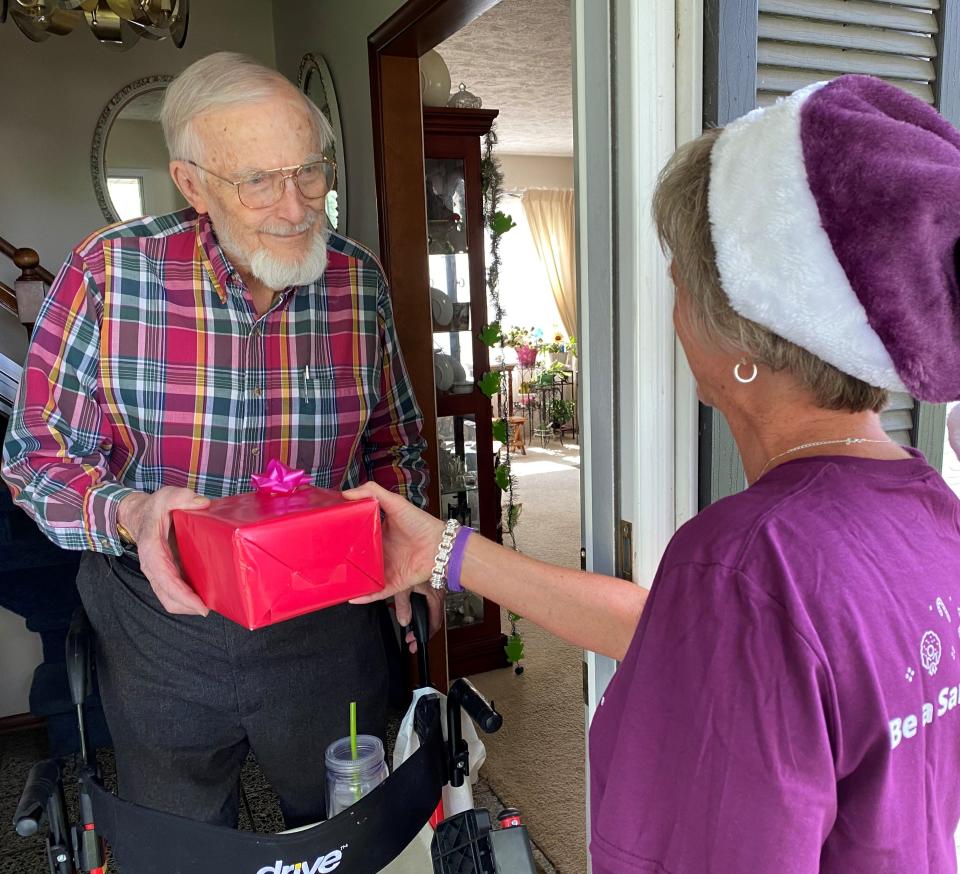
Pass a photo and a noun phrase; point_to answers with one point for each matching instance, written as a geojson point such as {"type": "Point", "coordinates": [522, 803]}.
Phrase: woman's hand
{"type": "Point", "coordinates": [410, 542]}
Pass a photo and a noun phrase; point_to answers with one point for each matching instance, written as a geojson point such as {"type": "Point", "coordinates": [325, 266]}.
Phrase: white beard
{"type": "Point", "coordinates": [278, 273]}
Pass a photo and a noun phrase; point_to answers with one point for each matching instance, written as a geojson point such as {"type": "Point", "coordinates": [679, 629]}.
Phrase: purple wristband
{"type": "Point", "coordinates": [456, 559]}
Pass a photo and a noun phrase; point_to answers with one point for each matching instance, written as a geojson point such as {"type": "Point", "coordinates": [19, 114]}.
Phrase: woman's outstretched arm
{"type": "Point", "coordinates": [589, 610]}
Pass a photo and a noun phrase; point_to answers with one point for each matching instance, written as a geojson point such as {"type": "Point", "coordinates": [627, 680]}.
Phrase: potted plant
{"type": "Point", "coordinates": [556, 349]}
{"type": "Point", "coordinates": [572, 352]}
{"type": "Point", "coordinates": [561, 412]}
{"type": "Point", "coordinates": [526, 343]}
{"type": "Point", "coordinates": [556, 372]}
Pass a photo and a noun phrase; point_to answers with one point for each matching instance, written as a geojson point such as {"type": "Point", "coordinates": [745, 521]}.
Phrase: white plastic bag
{"type": "Point", "coordinates": [455, 800]}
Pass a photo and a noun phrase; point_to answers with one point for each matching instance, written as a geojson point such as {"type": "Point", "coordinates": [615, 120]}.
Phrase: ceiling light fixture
{"type": "Point", "coordinates": [117, 24]}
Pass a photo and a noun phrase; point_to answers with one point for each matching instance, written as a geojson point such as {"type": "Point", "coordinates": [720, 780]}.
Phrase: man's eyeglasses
{"type": "Point", "coordinates": [266, 187]}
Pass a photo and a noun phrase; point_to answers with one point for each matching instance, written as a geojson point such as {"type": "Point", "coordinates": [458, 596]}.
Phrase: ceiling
{"type": "Point", "coordinates": [517, 58]}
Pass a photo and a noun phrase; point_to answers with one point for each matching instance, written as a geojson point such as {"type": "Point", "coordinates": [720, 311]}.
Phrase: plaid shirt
{"type": "Point", "coordinates": [150, 367]}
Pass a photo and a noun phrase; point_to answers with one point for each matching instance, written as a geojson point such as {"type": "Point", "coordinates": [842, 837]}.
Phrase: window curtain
{"type": "Point", "coordinates": [549, 213]}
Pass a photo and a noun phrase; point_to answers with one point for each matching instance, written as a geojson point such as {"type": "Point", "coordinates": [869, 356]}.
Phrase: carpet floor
{"type": "Point", "coordinates": [536, 761]}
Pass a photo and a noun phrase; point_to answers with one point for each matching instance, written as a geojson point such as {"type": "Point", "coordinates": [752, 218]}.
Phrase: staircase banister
{"type": "Point", "coordinates": [27, 260]}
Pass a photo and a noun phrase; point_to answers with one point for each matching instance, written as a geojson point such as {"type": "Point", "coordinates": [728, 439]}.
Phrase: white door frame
{"type": "Point", "coordinates": [637, 92]}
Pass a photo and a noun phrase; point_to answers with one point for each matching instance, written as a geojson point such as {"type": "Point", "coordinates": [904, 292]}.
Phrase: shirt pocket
{"type": "Point", "coordinates": [333, 408]}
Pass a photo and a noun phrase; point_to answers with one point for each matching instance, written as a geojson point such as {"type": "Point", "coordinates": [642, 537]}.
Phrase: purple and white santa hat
{"type": "Point", "coordinates": [835, 215]}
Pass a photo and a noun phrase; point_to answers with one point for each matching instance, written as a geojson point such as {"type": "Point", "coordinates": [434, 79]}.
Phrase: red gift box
{"type": "Point", "coordinates": [263, 557]}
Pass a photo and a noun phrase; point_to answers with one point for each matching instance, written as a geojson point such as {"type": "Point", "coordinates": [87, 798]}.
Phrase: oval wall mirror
{"type": "Point", "coordinates": [129, 161]}
{"type": "Point", "coordinates": [316, 82]}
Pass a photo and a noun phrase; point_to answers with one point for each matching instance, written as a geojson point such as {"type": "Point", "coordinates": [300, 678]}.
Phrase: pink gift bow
{"type": "Point", "coordinates": [278, 479]}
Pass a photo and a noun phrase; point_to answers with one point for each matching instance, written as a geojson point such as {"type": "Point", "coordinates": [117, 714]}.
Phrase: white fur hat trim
{"type": "Point", "coordinates": [775, 259]}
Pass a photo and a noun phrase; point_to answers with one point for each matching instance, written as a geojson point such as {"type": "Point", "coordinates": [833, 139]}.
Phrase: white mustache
{"type": "Point", "coordinates": [285, 229]}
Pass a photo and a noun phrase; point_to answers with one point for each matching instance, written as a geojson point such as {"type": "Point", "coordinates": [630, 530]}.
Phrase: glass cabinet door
{"type": "Point", "coordinates": [464, 484]}
{"type": "Point", "coordinates": [449, 275]}
{"type": "Point", "coordinates": [460, 500]}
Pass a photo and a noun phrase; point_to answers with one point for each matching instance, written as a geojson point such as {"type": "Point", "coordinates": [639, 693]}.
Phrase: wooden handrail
{"type": "Point", "coordinates": [8, 299]}
{"type": "Point", "coordinates": [27, 260]}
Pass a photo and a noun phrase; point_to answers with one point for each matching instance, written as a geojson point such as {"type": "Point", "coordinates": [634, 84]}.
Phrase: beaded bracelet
{"type": "Point", "coordinates": [438, 577]}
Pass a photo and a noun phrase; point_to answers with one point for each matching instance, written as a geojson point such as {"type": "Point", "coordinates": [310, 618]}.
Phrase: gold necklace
{"type": "Point", "coordinates": [846, 441]}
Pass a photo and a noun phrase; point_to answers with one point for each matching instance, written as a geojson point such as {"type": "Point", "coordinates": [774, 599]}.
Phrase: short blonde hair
{"type": "Point", "coordinates": [680, 211]}
{"type": "Point", "coordinates": [215, 82]}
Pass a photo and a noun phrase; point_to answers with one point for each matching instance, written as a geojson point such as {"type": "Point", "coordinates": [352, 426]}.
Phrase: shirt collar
{"type": "Point", "coordinates": [222, 273]}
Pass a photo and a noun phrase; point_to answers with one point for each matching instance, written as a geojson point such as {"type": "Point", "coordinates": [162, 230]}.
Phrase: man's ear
{"type": "Point", "coordinates": [184, 176]}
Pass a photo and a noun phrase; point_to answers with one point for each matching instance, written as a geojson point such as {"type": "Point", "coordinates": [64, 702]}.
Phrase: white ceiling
{"type": "Point", "coordinates": [517, 58]}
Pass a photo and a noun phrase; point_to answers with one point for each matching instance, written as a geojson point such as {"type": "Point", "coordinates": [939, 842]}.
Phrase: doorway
{"type": "Point", "coordinates": [517, 58]}
{"type": "Point", "coordinates": [636, 91]}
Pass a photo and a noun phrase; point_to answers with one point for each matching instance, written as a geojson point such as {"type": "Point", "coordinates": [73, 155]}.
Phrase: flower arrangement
{"type": "Point", "coordinates": [557, 345]}
{"type": "Point", "coordinates": [517, 337]}
{"type": "Point", "coordinates": [527, 342]}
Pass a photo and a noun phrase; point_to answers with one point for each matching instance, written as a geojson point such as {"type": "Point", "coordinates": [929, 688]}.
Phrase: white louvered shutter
{"type": "Point", "coordinates": [804, 41]}
{"type": "Point", "coordinates": [897, 418]}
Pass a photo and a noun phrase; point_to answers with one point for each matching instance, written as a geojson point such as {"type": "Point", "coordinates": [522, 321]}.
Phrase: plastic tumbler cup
{"type": "Point", "coordinates": [349, 779]}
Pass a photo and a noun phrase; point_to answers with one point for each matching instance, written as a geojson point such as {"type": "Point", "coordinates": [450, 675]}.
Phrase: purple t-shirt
{"type": "Point", "coordinates": [788, 704]}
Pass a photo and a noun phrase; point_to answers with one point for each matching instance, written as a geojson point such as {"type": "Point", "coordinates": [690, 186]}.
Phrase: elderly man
{"type": "Point", "coordinates": [174, 356]}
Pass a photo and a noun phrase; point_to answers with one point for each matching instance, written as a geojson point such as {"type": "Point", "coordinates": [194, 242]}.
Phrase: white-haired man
{"type": "Point", "coordinates": [174, 356]}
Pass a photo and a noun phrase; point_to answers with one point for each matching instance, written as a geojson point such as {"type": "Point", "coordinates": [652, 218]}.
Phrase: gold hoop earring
{"type": "Point", "coordinates": [742, 379]}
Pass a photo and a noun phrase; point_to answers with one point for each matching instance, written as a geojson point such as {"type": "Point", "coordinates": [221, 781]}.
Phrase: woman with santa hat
{"type": "Point", "coordinates": [788, 694]}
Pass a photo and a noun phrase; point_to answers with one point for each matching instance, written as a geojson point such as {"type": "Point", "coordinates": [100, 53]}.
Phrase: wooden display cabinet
{"type": "Point", "coordinates": [458, 302]}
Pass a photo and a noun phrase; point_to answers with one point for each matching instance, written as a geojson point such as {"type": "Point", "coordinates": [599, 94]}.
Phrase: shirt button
{"type": "Point", "coordinates": [603, 700]}
{"type": "Point", "coordinates": [255, 450]}
{"type": "Point", "coordinates": [258, 391]}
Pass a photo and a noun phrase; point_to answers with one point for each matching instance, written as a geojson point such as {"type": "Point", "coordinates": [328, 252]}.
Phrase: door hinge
{"type": "Point", "coordinates": [583, 558]}
{"type": "Point", "coordinates": [586, 684]}
{"type": "Point", "coordinates": [625, 550]}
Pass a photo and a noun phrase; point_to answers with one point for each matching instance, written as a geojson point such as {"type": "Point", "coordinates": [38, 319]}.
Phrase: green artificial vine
{"type": "Point", "coordinates": [492, 383]}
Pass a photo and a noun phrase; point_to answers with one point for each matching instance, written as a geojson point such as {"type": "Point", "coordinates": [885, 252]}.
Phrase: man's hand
{"type": "Point", "coordinates": [435, 604]}
{"type": "Point", "coordinates": [147, 518]}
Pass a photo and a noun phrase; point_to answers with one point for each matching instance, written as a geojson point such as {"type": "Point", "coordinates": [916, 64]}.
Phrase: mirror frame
{"type": "Point", "coordinates": [98, 151]}
{"type": "Point", "coordinates": [315, 65]}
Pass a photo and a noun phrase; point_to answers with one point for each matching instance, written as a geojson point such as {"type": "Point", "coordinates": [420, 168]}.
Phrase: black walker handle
{"type": "Point", "coordinates": [79, 668]}
{"type": "Point", "coordinates": [40, 787]}
{"type": "Point", "coordinates": [420, 625]}
{"type": "Point", "coordinates": [462, 693]}
{"type": "Point", "coordinates": [78, 657]}
{"type": "Point", "coordinates": [471, 699]}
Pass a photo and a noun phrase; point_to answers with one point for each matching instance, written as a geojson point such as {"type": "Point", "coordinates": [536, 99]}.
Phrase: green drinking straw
{"type": "Point", "coordinates": [353, 730]}
{"type": "Point", "coordinates": [353, 748]}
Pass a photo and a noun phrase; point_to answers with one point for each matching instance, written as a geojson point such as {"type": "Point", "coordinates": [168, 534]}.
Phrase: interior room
{"type": "Point", "coordinates": [532, 758]}
{"type": "Point", "coordinates": [494, 162]}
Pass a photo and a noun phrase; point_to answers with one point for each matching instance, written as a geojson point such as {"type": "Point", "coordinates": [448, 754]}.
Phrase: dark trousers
{"type": "Point", "coordinates": [186, 697]}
